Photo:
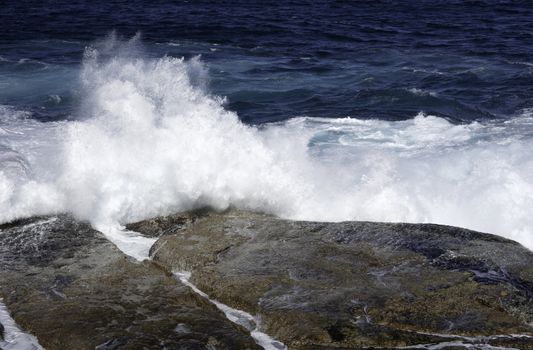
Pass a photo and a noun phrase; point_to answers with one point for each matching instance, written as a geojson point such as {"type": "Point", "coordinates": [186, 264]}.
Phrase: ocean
{"type": "Point", "coordinates": [418, 111]}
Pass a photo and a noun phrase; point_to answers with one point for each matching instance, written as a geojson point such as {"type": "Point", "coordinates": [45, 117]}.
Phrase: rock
{"type": "Point", "coordinates": [2, 330]}
{"type": "Point", "coordinates": [356, 284]}
{"type": "Point", "coordinates": [69, 286]}
{"type": "Point", "coordinates": [166, 225]}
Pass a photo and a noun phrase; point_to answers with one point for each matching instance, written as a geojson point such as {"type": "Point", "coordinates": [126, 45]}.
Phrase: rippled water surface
{"type": "Point", "coordinates": [387, 60]}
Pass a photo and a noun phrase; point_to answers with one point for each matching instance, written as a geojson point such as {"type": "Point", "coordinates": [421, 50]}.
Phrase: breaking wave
{"type": "Point", "coordinates": [150, 139]}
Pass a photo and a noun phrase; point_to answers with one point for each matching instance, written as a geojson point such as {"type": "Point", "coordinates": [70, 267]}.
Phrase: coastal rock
{"type": "Point", "coordinates": [356, 284]}
{"type": "Point", "coordinates": [65, 283]}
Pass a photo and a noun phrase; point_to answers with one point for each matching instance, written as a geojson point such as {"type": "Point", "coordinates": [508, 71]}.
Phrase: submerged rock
{"type": "Point", "coordinates": [356, 284]}
{"type": "Point", "coordinates": [65, 283]}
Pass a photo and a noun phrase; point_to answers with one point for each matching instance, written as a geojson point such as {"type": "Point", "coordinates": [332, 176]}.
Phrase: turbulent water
{"type": "Point", "coordinates": [323, 111]}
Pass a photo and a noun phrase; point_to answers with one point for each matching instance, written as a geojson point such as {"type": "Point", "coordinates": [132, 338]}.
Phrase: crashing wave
{"type": "Point", "coordinates": [151, 140]}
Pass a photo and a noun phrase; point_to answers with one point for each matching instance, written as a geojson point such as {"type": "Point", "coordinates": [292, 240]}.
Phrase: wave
{"type": "Point", "coordinates": [150, 140]}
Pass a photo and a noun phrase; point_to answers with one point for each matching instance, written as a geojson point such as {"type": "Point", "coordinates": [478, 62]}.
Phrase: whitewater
{"type": "Point", "coordinates": [149, 139]}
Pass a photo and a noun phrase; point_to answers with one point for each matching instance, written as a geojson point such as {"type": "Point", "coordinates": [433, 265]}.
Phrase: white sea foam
{"type": "Point", "coordinates": [129, 242]}
{"type": "Point", "coordinates": [150, 140]}
{"type": "Point", "coordinates": [54, 99]}
{"type": "Point", "coordinates": [239, 317]}
{"type": "Point", "coordinates": [14, 337]}
{"type": "Point", "coordinates": [421, 92]}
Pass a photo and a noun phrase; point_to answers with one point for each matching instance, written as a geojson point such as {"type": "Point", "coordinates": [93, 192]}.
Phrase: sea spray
{"type": "Point", "coordinates": [150, 139]}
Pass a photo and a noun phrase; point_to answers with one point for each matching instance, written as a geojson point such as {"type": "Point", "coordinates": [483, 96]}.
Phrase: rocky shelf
{"type": "Point", "coordinates": [69, 286]}
{"type": "Point", "coordinates": [350, 285]}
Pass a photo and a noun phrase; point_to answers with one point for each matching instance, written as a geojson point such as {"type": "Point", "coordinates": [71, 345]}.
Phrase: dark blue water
{"type": "Point", "coordinates": [277, 60]}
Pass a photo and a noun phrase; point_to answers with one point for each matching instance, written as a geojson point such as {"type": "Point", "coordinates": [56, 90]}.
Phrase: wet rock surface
{"type": "Point", "coordinates": [73, 289]}
{"type": "Point", "coordinates": [356, 284]}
